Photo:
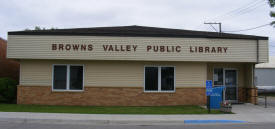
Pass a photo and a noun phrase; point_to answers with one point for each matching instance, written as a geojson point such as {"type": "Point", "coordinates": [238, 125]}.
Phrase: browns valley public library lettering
{"type": "Point", "coordinates": [133, 65]}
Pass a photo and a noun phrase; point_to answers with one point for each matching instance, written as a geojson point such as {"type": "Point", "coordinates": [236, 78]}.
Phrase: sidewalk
{"type": "Point", "coordinates": [244, 112]}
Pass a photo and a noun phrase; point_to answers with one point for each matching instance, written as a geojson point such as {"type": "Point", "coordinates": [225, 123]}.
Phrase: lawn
{"type": "Point", "coordinates": [107, 110]}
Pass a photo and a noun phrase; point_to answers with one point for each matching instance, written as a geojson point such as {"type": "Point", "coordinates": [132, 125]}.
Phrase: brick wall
{"type": "Point", "coordinates": [248, 95]}
{"type": "Point", "coordinates": [252, 95]}
{"type": "Point", "coordinates": [107, 96]}
{"type": "Point", "coordinates": [242, 95]}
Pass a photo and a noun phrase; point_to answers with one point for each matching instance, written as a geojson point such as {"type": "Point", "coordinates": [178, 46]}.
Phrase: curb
{"type": "Point", "coordinates": [91, 122]}
{"type": "Point", "coordinates": [213, 121]}
{"type": "Point", "coordinates": [117, 122]}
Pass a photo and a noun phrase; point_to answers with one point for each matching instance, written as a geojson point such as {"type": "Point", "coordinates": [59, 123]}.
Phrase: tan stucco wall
{"type": "Point", "coordinates": [112, 73]}
{"type": "Point", "coordinates": [40, 47]}
{"type": "Point", "coordinates": [124, 81]}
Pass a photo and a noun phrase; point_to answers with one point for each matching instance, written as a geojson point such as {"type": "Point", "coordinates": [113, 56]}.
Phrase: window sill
{"type": "Point", "coordinates": [67, 90]}
{"type": "Point", "coordinates": [159, 91]}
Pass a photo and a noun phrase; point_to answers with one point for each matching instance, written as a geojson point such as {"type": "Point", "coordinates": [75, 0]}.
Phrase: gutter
{"type": "Point", "coordinates": [257, 51]}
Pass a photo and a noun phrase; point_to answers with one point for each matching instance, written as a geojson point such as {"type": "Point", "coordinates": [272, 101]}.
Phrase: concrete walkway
{"type": "Point", "coordinates": [244, 112]}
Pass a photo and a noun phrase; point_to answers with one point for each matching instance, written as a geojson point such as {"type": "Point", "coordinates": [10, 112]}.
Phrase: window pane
{"type": "Point", "coordinates": [151, 78]}
{"type": "Point", "coordinates": [230, 93]}
{"type": "Point", "coordinates": [230, 77]}
{"type": "Point", "coordinates": [218, 76]}
{"type": "Point", "coordinates": [60, 77]}
{"type": "Point", "coordinates": [167, 78]}
{"type": "Point", "coordinates": [76, 77]}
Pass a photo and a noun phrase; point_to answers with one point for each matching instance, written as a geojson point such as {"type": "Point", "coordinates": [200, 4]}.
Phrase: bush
{"type": "Point", "coordinates": [8, 90]}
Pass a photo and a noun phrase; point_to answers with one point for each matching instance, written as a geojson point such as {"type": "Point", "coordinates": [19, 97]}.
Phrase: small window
{"type": "Point", "coordinates": [159, 79]}
{"type": "Point", "coordinates": [60, 77]}
{"type": "Point", "coordinates": [218, 76]}
{"type": "Point", "coordinates": [76, 77]}
{"type": "Point", "coordinates": [67, 77]}
{"type": "Point", "coordinates": [167, 78]}
{"type": "Point", "coordinates": [151, 78]}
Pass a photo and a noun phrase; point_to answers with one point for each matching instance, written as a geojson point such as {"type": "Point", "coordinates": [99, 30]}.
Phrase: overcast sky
{"type": "Point", "coordinates": [181, 14]}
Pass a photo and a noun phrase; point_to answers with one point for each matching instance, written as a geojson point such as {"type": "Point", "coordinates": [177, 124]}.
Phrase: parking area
{"type": "Point", "coordinates": [254, 113]}
{"type": "Point", "coordinates": [259, 109]}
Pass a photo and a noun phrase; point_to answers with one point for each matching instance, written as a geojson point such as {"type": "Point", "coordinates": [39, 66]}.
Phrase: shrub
{"type": "Point", "coordinates": [8, 90]}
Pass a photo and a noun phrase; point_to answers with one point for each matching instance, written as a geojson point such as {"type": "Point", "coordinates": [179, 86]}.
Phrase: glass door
{"type": "Point", "coordinates": [230, 82]}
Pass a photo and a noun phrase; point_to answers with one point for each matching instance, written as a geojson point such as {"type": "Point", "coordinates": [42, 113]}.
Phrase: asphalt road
{"type": "Point", "coordinates": [9, 125]}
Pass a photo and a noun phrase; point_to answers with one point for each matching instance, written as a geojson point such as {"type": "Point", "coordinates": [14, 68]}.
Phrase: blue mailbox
{"type": "Point", "coordinates": [216, 97]}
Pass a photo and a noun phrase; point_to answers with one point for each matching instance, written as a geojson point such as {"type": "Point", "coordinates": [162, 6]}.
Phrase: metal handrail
{"type": "Point", "coordinates": [265, 97]}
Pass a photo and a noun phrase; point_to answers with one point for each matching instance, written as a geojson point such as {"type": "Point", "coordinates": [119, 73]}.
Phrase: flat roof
{"type": "Point", "coordinates": [136, 31]}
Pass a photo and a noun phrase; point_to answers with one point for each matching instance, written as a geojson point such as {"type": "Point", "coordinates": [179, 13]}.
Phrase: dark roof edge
{"type": "Point", "coordinates": [136, 31]}
{"type": "Point", "coordinates": [137, 35]}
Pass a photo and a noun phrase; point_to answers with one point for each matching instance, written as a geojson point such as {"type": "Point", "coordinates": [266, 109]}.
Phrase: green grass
{"type": "Point", "coordinates": [107, 110]}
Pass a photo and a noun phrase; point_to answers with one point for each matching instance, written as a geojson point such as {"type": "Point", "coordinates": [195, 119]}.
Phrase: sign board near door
{"type": "Point", "coordinates": [209, 87]}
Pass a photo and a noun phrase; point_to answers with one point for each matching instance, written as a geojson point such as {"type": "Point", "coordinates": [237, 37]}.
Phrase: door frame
{"type": "Point", "coordinates": [237, 83]}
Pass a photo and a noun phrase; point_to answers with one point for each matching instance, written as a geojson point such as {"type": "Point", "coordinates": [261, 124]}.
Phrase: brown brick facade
{"type": "Point", "coordinates": [121, 96]}
{"type": "Point", "coordinates": [248, 95]}
{"type": "Point", "coordinates": [252, 95]}
{"type": "Point", "coordinates": [242, 95]}
{"type": "Point", "coordinates": [110, 96]}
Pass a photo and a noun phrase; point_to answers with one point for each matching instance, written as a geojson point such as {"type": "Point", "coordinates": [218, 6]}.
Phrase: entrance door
{"type": "Point", "coordinates": [230, 82]}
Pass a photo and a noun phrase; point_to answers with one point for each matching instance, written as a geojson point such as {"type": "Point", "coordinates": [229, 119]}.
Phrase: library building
{"type": "Point", "coordinates": [133, 65]}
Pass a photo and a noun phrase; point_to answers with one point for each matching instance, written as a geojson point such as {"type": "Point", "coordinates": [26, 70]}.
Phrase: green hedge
{"type": "Point", "coordinates": [8, 90]}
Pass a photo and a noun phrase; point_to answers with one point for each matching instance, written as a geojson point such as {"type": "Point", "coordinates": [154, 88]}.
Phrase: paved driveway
{"type": "Point", "coordinates": [270, 101]}
{"type": "Point", "coordinates": [260, 108]}
{"type": "Point", "coordinates": [251, 109]}
{"type": "Point", "coordinates": [256, 109]}
{"type": "Point", "coordinates": [256, 113]}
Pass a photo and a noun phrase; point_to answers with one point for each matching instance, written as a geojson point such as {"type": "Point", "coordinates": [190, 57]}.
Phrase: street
{"type": "Point", "coordinates": [8, 125]}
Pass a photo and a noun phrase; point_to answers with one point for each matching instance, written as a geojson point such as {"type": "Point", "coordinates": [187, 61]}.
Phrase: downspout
{"type": "Point", "coordinates": [257, 51]}
{"type": "Point", "coordinates": [255, 96]}
{"type": "Point", "coordinates": [257, 61]}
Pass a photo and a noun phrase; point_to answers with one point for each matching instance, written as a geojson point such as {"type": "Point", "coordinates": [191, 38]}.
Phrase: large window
{"type": "Point", "coordinates": [159, 79]}
{"type": "Point", "coordinates": [67, 77]}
